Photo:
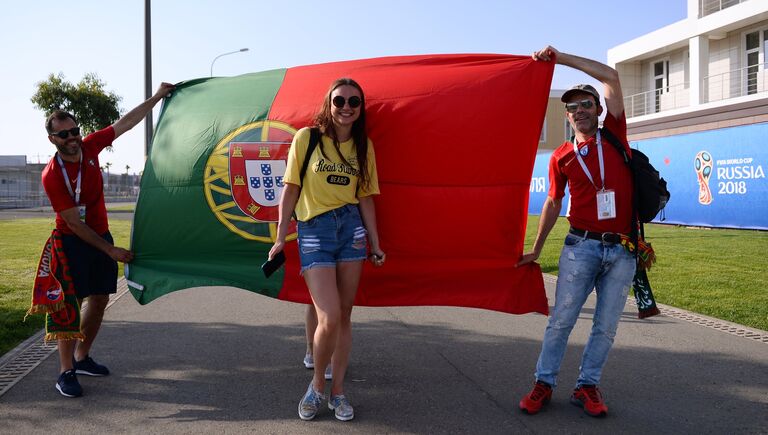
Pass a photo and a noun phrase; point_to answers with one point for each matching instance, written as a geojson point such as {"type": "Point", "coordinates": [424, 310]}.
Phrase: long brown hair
{"type": "Point", "coordinates": [324, 121]}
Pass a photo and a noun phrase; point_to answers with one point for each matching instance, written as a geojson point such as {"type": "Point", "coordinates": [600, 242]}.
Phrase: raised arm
{"type": "Point", "coordinates": [130, 119]}
{"type": "Point", "coordinates": [609, 77]}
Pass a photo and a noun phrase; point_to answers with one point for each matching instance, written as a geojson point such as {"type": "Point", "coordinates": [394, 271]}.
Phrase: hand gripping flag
{"type": "Point", "coordinates": [455, 139]}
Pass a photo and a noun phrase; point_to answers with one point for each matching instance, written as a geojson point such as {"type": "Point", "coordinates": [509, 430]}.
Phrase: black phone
{"type": "Point", "coordinates": [270, 266]}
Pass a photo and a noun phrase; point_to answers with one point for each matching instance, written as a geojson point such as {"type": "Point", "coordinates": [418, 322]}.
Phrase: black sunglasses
{"type": "Point", "coordinates": [354, 102]}
{"type": "Point", "coordinates": [63, 134]}
{"type": "Point", "coordinates": [573, 107]}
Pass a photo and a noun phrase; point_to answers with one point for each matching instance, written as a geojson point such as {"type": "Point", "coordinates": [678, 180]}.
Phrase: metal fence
{"type": "Point", "coordinates": [21, 187]}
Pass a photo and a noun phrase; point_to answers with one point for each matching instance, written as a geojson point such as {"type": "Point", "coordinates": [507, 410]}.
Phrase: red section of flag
{"type": "Point", "coordinates": [455, 139]}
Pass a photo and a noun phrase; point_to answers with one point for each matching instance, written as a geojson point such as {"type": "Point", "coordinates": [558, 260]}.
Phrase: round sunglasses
{"type": "Point", "coordinates": [354, 101]}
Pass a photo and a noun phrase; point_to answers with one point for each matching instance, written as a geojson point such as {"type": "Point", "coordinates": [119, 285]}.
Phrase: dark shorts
{"type": "Point", "coordinates": [93, 272]}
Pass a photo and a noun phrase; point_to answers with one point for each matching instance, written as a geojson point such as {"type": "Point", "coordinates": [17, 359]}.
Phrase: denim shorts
{"type": "Point", "coordinates": [332, 237]}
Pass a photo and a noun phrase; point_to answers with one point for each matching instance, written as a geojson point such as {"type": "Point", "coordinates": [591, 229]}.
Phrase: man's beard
{"type": "Point", "coordinates": [67, 150]}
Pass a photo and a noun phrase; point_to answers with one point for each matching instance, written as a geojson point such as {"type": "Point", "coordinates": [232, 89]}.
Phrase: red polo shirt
{"type": "Point", "coordinates": [91, 184]}
{"type": "Point", "coordinates": [564, 169]}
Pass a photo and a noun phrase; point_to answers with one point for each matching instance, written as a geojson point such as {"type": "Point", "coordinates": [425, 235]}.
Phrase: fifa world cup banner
{"type": "Point", "coordinates": [716, 178]}
{"type": "Point", "coordinates": [455, 139]}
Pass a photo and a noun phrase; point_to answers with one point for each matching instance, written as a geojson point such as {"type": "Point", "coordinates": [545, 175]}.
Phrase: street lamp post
{"type": "Point", "coordinates": [224, 54]}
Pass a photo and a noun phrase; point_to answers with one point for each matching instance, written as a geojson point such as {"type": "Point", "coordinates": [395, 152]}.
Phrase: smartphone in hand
{"type": "Point", "coordinates": [270, 266]}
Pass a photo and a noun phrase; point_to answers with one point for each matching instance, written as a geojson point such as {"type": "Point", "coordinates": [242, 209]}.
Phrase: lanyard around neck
{"type": "Point", "coordinates": [599, 144]}
{"type": "Point", "coordinates": [76, 193]}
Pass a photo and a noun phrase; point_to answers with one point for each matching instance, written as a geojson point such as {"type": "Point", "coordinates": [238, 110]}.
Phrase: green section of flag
{"type": "Point", "coordinates": [177, 239]}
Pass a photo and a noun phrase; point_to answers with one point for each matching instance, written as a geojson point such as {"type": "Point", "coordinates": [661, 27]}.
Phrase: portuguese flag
{"type": "Point", "coordinates": [455, 139]}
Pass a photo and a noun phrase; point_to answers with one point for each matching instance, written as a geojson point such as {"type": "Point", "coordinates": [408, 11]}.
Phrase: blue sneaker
{"type": "Point", "coordinates": [310, 403]}
{"type": "Point", "coordinates": [68, 385]}
{"type": "Point", "coordinates": [341, 407]}
{"type": "Point", "coordinates": [89, 367]}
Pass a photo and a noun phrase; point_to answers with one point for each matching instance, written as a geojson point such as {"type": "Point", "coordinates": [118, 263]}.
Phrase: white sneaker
{"type": "Point", "coordinates": [329, 373]}
{"type": "Point", "coordinates": [309, 362]}
{"type": "Point", "coordinates": [341, 408]}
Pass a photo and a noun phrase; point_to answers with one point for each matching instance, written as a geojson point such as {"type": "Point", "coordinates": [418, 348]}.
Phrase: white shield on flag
{"type": "Point", "coordinates": [265, 181]}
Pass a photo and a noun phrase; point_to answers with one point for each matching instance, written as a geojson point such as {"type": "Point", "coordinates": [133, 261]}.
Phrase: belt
{"type": "Point", "coordinates": [603, 237]}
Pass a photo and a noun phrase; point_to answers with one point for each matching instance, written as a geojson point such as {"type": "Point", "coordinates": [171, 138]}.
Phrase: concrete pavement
{"type": "Point", "coordinates": [225, 360]}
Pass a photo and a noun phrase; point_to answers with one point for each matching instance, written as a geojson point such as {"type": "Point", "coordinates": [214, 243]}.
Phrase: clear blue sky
{"type": "Point", "coordinates": [40, 37]}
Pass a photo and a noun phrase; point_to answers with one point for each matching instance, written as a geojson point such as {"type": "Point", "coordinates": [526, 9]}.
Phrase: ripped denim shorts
{"type": "Point", "coordinates": [332, 237]}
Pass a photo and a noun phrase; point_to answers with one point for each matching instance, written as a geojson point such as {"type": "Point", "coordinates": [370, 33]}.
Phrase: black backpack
{"type": "Point", "coordinates": [651, 194]}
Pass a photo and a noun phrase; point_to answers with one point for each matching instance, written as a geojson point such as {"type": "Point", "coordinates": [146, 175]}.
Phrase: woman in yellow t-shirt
{"type": "Point", "coordinates": [336, 222]}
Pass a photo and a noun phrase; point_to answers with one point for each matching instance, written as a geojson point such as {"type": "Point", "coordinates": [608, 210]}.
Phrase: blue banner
{"type": "Point", "coordinates": [716, 178]}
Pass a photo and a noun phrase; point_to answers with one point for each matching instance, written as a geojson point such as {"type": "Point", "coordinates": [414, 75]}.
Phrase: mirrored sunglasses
{"type": "Point", "coordinates": [354, 102]}
{"type": "Point", "coordinates": [63, 134]}
{"type": "Point", "coordinates": [573, 107]}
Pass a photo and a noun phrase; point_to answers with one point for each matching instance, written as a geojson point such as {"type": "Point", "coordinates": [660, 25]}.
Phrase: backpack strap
{"type": "Point", "coordinates": [616, 143]}
{"type": "Point", "coordinates": [637, 226]}
{"type": "Point", "coordinates": [314, 139]}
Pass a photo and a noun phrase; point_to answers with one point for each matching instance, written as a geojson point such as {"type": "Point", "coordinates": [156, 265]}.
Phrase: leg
{"type": "Point", "coordinates": [347, 277]}
{"type": "Point", "coordinates": [578, 267]}
{"type": "Point", "coordinates": [91, 323]}
{"type": "Point", "coordinates": [612, 287]}
{"type": "Point", "coordinates": [66, 352]}
{"type": "Point", "coordinates": [310, 325]}
{"type": "Point", "coordinates": [325, 295]}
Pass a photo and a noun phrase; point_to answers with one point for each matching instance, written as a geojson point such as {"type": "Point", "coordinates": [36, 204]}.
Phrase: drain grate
{"type": "Point", "coordinates": [28, 355]}
{"type": "Point", "coordinates": [720, 325]}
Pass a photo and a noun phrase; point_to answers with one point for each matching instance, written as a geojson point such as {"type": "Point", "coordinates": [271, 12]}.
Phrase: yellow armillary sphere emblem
{"type": "Point", "coordinates": [243, 179]}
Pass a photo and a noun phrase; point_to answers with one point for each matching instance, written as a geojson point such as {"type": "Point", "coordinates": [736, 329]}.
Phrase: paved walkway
{"type": "Point", "coordinates": [224, 360]}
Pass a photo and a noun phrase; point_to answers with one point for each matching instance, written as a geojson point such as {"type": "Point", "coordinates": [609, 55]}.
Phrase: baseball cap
{"type": "Point", "coordinates": [583, 88]}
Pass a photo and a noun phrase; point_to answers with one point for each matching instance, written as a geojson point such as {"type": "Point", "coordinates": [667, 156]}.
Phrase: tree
{"type": "Point", "coordinates": [92, 105]}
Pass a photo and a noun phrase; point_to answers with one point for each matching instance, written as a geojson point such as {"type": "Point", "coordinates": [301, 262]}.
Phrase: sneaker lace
{"type": "Point", "coordinates": [539, 391]}
{"type": "Point", "coordinates": [593, 394]}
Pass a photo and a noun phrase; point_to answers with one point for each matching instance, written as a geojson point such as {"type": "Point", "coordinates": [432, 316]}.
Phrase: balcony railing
{"type": "Point", "coordinates": [657, 100]}
{"type": "Point", "coordinates": [707, 7]}
{"type": "Point", "coordinates": [736, 83]}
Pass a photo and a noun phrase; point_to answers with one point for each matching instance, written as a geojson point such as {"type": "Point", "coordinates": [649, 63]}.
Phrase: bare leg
{"type": "Point", "coordinates": [322, 285]}
{"type": "Point", "coordinates": [310, 325]}
{"type": "Point", "coordinates": [66, 351]}
{"type": "Point", "coordinates": [347, 278]}
{"type": "Point", "coordinates": [90, 323]}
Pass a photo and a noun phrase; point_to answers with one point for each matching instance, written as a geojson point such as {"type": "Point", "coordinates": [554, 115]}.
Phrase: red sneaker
{"type": "Point", "coordinates": [589, 398]}
{"type": "Point", "coordinates": [537, 398]}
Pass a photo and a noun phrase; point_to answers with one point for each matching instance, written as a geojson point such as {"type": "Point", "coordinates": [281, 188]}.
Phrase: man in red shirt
{"type": "Point", "coordinates": [593, 257]}
{"type": "Point", "coordinates": [73, 183]}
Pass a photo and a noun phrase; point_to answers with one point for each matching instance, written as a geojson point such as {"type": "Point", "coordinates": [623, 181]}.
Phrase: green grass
{"type": "Point", "coordinates": [121, 206]}
{"type": "Point", "coordinates": [716, 272]}
{"type": "Point", "coordinates": [22, 243]}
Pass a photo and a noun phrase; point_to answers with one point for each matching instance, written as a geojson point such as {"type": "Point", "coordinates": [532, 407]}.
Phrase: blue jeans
{"type": "Point", "coordinates": [586, 264]}
{"type": "Point", "coordinates": [335, 236]}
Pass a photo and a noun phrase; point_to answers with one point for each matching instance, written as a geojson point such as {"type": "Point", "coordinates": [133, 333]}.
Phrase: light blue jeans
{"type": "Point", "coordinates": [586, 264]}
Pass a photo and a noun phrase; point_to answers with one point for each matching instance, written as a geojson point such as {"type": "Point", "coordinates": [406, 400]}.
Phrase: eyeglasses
{"type": "Point", "coordinates": [354, 102]}
{"type": "Point", "coordinates": [63, 134]}
{"type": "Point", "coordinates": [573, 107]}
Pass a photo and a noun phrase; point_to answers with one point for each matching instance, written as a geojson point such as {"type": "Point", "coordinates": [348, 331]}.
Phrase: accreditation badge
{"type": "Point", "coordinates": [81, 209]}
{"type": "Point", "coordinates": [606, 204]}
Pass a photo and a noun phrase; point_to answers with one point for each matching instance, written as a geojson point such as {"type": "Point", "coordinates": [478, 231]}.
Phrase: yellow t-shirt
{"type": "Point", "coordinates": [329, 183]}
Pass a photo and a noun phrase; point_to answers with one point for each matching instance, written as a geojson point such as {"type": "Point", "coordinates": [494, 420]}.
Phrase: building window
{"type": "Point", "coordinates": [660, 82]}
{"type": "Point", "coordinates": [707, 7]}
{"type": "Point", "coordinates": [754, 56]}
{"type": "Point", "coordinates": [569, 133]}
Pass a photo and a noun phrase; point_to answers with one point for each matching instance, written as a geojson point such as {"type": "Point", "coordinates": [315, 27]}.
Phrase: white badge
{"type": "Point", "coordinates": [82, 212]}
{"type": "Point", "coordinates": [606, 204]}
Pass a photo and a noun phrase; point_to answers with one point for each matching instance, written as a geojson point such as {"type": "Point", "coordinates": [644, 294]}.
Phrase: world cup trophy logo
{"type": "Point", "coordinates": [703, 166]}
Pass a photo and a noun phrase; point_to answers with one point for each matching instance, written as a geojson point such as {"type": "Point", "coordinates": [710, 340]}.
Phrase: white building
{"type": "Point", "coordinates": [705, 72]}
{"type": "Point", "coordinates": [696, 101]}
